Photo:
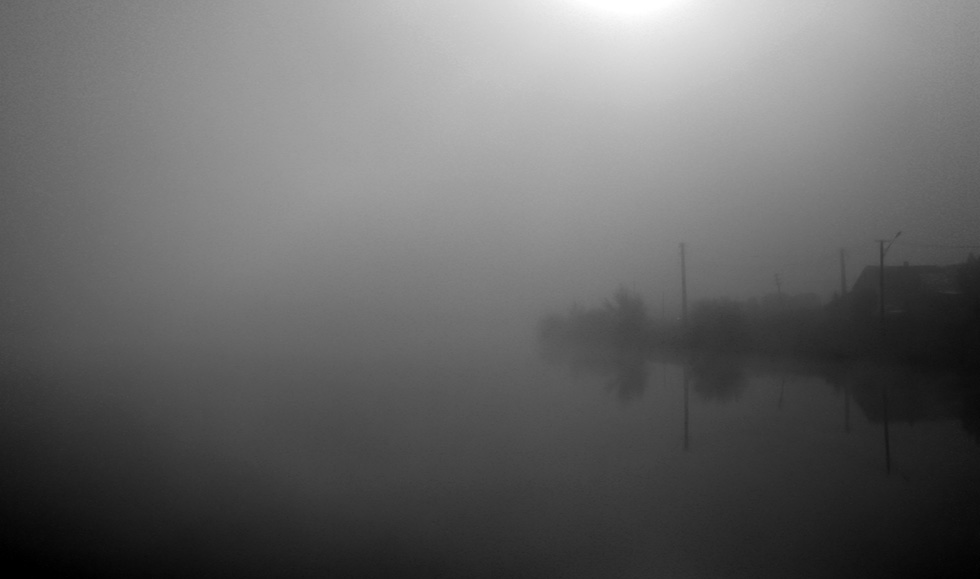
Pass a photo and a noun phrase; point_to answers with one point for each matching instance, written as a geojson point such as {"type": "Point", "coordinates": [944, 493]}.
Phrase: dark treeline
{"type": "Point", "coordinates": [597, 336]}
{"type": "Point", "coordinates": [726, 342]}
{"type": "Point", "coordinates": [612, 340]}
{"type": "Point", "coordinates": [929, 329]}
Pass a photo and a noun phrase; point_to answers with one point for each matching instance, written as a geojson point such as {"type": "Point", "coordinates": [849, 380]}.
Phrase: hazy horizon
{"type": "Point", "coordinates": [444, 162]}
{"type": "Point", "coordinates": [272, 274]}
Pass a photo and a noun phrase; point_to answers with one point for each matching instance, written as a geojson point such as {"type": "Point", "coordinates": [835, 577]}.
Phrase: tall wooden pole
{"type": "Point", "coordinates": [684, 326]}
{"type": "Point", "coordinates": [881, 324]}
{"type": "Point", "coordinates": [881, 286]}
{"type": "Point", "coordinates": [882, 250]}
{"type": "Point", "coordinates": [683, 288]}
{"type": "Point", "coordinates": [881, 313]}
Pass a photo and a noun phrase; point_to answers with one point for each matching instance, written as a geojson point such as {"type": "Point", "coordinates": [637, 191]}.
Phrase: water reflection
{"type": "Point", "coordinates": [514, 473]}
{"type": "Point", "coordinates": [883, 394]}
{"type": "Point", "coordinates": [625, 374]}
{"type": "Point", "coordinates": [899, 394]}
{"type": "Point", "coordinates": [628, 378]}
{"type": "Point", "coordinates": [718, 378]}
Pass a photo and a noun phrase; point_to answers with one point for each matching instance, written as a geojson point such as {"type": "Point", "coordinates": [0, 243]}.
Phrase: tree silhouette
{"type": "Point", "coordinates": [610, 340]}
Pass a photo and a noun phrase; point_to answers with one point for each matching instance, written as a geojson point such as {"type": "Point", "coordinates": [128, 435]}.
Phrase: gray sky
{"type": "Point", "coordinates": [454, 163]}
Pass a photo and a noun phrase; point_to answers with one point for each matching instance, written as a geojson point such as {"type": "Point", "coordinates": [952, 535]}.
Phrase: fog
{"type": "Point", "coordinates": [314, 237]}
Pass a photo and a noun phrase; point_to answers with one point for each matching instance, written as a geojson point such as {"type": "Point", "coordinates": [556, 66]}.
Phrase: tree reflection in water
{"type": "Point", "coordinates": [610, 341]}
{"type": "Point", "coordinates": [625, 374]}
{"type": "Point", "coordinates": [718, 377]}
{"type": "Point", "coordinates": [629, 378]}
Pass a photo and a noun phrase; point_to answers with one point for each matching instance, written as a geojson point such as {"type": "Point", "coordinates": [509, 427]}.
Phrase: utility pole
{"type": "Point", "coordinates": [881, 287]}
{"type": "Point", "coordinates": [683, 288]}
{"type": "Point", "coordinates": [882, 250]}
{"type": "Point", "coordinates": [684, 325]}
{"type": "Point", "coordinates": [843, 274]}
{"type": "Point", "coordinates": [779, 286]}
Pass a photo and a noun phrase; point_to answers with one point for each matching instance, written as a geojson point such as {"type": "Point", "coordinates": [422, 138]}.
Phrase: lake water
{"type": "Point", "coordinates": [489, 470]}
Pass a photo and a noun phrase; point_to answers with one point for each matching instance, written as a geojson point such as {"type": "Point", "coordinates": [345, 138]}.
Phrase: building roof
{"type": "Point", "coordinates": [896, 276]}
{"type": "Point", "coordinates": [906, 283]}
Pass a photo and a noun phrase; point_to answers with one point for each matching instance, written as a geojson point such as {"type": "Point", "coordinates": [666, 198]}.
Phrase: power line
{"type": "Point", "coordinates": [941, 246]}
{"type": "Point", "coordinates": [783, 263]}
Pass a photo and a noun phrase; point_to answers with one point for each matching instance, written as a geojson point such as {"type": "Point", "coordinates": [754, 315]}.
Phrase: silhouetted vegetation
{"type": "Point", "coordinates": [596, 335]}
{"type": "Point", "coordinates": [933, 320]}
{"type": "Point", "coordinates": [611, 340]}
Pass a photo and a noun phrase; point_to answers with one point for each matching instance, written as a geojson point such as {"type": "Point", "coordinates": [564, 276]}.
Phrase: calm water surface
{"type": "Point", "coordinates": [484, 470]}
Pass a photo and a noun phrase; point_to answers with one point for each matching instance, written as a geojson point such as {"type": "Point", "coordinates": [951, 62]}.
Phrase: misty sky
{"type": "Point", "coordinates": [449, 163]}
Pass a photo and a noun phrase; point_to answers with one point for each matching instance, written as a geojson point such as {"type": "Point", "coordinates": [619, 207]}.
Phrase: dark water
{"type": "Point", "coordinates": [300, 467]}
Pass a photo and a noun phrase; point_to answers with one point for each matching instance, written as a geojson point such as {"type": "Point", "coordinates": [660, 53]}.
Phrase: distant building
{"type": "Point", "coordinates": [917, 291]}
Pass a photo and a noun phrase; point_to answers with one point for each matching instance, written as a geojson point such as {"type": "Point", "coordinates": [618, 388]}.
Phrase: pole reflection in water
{"type": "Point", "coordinates": [884, 407]}
{"type": "Point", "coordinates": [794, 456]}
{"type": "Point", "coordinates": [686, 410]}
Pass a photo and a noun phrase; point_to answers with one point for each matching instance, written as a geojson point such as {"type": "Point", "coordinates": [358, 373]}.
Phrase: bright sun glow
{"type": "Point", "coordinates": [627, 9]}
